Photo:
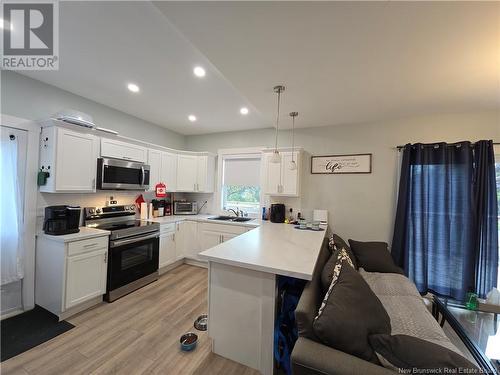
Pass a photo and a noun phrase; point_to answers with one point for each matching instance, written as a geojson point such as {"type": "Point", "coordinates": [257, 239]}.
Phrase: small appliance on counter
{"type": "Point", "coordinates": [277, 214]}
{"type": "Point", "coordinates": [61, 220]}
{"type": "Point", "coordinates": [185, 208]}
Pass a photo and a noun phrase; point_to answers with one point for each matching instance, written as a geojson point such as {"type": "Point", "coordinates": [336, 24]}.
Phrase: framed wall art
{"type": "Point", "coordinates": [341, 164]}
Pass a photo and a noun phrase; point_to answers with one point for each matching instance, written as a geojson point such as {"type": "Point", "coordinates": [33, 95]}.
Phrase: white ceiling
{"type": "Point", "coordinates": [342, 62]}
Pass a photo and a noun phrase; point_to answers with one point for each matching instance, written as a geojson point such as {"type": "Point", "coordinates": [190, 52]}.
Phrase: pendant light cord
{"type": "Point", "coordinates": [293, 136]}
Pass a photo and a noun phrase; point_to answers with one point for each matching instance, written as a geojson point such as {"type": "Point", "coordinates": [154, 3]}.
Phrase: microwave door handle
{"type": "Point", "coordinates": [133, 240]}
{"type": "Point", "coordinates": [143, 176]}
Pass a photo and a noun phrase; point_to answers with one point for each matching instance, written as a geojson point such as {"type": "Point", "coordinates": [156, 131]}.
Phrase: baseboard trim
{"type": "Point", "coordinates": [171, 266]}
{"type": "Point", "coordinates": [197, 263]}
{"type": "Point", "coordinates": [77, 309]}
{"type": "Point", "coordinates": [12, 312]}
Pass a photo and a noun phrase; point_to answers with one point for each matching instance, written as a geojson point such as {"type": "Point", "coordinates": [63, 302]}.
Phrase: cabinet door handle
{"type": "Point", "coordinates": [90, 245]}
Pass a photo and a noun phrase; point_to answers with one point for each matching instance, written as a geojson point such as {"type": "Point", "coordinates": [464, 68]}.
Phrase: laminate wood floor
{"type": "Point", "coordinates": [137, 334]}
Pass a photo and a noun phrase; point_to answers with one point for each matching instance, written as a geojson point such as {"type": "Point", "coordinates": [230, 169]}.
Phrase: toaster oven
{"type": "Point", "coordinates": [185, 208]}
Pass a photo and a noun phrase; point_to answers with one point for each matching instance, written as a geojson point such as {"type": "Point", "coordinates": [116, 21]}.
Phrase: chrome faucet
{"type": "Point", "coordinates": [236, 212]}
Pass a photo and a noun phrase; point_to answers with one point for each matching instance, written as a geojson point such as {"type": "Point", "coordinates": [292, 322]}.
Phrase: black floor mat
{"type": "Point", "coordinates": [27, 330]}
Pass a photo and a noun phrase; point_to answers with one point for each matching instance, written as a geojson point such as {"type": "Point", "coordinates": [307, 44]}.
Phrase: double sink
{"type": "Point", "coordinates": [234, 219]}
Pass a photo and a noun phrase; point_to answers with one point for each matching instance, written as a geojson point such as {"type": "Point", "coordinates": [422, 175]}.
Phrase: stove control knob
{"type": "Point", "coordinates": [132, 208]}
{"type": "Point", "coordinates": [91, 211]}
{"type": "Point", "coordinates": [127, 208]}
{"type": "Point", "coordinates": [98, 211]}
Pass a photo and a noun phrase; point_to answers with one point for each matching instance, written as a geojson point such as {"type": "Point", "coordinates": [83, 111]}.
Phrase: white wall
{"type": "Point", "coordinates": [360, 206]}
{"type": "Point", "coordinates": [34, 100]}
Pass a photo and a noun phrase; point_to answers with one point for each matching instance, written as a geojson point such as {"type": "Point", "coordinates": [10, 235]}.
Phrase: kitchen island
{"type": "Point", "coordinates": [242, 288]}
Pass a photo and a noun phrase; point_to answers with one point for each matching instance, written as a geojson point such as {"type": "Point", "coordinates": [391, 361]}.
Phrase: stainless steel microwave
{"type": "Point", "coordinates": [116, 174]}
{"type": "Point", "coordinates": [185, 208]}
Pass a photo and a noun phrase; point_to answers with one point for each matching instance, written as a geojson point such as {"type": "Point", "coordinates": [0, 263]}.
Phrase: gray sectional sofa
{"type": "Point", "coordinates": [401, 300]}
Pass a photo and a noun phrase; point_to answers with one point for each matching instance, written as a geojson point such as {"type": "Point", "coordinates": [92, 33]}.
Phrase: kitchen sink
{"type": "Point", "coordinates": [231, 218]}
{"type": "Point", "coordinates": [221, 218]}
{"type": "Point", "coordinates": [241, 219]}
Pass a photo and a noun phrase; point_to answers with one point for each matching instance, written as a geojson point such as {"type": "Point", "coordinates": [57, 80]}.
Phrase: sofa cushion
{"type": "Point", "coordinates": [389, 284]}
{"type": "Point", "coordinates": [335, 242]}
{"type": "Point", "coordinates": [349, 313]}
{"type": "Point", "coordinates": [374, 257]}
{"type": "Point", "coordinates": [406, 352]}
{"type": "Point", "coordinates": [329, 267]}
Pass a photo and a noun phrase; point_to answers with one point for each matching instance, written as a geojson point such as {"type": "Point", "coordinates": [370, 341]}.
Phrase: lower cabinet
{"type": "Point", "coordinates": [167, 245]}
{"type": "Point", "coordinates": [70, 276]}
{"type": "Point", "coordinates": [85, 276]}
{"type": "Point", "coordinates": [187, 239]}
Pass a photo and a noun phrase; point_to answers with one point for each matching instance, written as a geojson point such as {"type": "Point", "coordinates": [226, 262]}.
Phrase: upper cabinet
{"type": "Point", "coordinates": [163, 168]}
{"type": "Point", "coordinates": [279, 178]}
{"type": "Point", "coordinates": [111, 148]}
{"type": "Point", "coordinates": [195, 173]}
{"type": "Point", "coordinates": [70, 157]}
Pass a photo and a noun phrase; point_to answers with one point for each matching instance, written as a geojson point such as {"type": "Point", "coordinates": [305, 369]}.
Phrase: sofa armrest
{"type": "Point", "coordinates": [312, 358]}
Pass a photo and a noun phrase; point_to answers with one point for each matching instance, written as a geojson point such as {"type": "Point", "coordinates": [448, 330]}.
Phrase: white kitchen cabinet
{"type": "Point", "coordinates": [167, 249]}
{"type": "Point", "coordinates": [279, 179]}
{"type": "Point", "coordinates": [186, 240]}
{"type": "Point", "coordinates": [111, 148]}
{"type": "Point", "coordinates": [168, 173]}
{"type": "Point", "coordinates": [213, 234]}
{"type": "Point", "coordinates": [70, 157]}
{"type": "Point", "coordinates": [163, 168]}
{"type": "Point", "coordinates": [187, 172]}
{"type": "Point", "coordinates": [70, 276]}
{"type": "Point", "coordinates": [154, 162]}
{"type": "Point", "coordinates": [85, 277]}
{"type": "Point", "coordinates": [195, 173]}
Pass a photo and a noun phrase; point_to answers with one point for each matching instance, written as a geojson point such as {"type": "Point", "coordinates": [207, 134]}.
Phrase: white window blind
{"type": "Point", "coordinates": [242, 172]}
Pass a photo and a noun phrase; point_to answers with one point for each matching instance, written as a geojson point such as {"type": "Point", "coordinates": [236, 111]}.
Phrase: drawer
{"type": "Point", "coordinates": [234, 229]}
{"type": "Point", "coordinates": [165, 228]}
{"type": "Point", "coordinates": [83, 246]}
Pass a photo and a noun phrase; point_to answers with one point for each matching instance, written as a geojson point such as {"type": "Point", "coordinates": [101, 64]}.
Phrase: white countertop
{"type": "Point", "coordinates": [274, 248]}
{"type": "Point", "coordinates": [203, 218]}
{"type": "Point", "coordinates": [85, 233]}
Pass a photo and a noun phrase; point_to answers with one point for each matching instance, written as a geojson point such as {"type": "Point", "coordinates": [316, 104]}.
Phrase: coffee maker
{"type": "Point", "coordinates": [61, 220]}
{"type": "Point", "coordinates": [277, 214]}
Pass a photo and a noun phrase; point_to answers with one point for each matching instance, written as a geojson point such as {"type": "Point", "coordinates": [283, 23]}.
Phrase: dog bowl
{"type": "Point", "coordinates": [188, 341]}
{"type": "Point", "coordinates": [201, 323]}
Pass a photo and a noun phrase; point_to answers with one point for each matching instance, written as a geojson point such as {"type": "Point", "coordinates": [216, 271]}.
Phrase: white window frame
{"type": "Point", "coordinates": [235, 153]}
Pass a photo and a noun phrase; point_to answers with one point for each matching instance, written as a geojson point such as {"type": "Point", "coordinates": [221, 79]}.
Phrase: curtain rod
{"type": "Point", "coordinates": [431, 144]}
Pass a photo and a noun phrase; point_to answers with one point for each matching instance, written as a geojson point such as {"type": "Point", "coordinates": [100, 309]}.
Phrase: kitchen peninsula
{"type": "Point", "coordinates": [242, 288]}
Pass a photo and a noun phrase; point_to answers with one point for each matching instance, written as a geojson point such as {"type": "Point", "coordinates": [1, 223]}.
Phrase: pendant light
{"type": "Point", "coordinates": [276, 157]}
{"type": "Point", "coordinates": [293, 164]}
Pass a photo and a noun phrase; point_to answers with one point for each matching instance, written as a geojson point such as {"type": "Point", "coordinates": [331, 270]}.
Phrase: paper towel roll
{"type": "Point", "coordinates": [150, 211]}
{"type": "Point", "coordinates": [144, 211]}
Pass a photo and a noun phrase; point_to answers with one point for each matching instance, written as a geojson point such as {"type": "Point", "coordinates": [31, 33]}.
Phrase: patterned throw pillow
{"type": "Point", "coordinates": [342, 258]}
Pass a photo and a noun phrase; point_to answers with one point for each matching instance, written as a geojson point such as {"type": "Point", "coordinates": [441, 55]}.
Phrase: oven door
{"type": "Point", "coordinates": [122, 174]}
{"type": "Point", "coordinates": [131, 259]}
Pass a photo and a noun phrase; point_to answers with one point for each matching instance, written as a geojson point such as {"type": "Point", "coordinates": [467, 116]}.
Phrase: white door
{"type": "Point", "coordinates": [272, 176]}
{"type": "Point", "coordinates": [85, 277]}
{"type": "Point", "coordinates": [123, 150]}
{"type": "Point", "coordinates": [11, 293]}
{"type": "Point", "coordinates": [169, 170]}
{"type": "Point", "coordinates": [209, 239]}
{"type": "Point", "coordinates": [289, 177]}
{"type": "Point", "coordinates": [187, 166]}
{"type": "Point", "coordinates": [167, 249]}
{"type": "Point", "coordinates": [154, 161]}
{"type": "Point", "coordinates": [202, 174]}
{"type": "Point", "coordinates": [76, 161]}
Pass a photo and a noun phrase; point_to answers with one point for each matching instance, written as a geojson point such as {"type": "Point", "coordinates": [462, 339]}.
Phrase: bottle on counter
{"type": "Point", "coordinates": [264, 216]}
{"type": "Point", "coordinates": [161, 208]}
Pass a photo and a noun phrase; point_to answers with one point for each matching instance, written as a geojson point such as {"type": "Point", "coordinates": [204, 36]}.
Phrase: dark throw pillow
{"type": "Point", "coordinates": [350, 313]}
{"type": "Point", "coordinates": [335, 242]}
{"type": "Point", "coordinates": [407, 352]}
{"type": "Point", "coordinates": [374, 257]}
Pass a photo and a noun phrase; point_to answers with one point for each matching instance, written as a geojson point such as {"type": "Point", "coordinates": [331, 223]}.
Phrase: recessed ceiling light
{"type": "Point", "coordinates": [199, 71]}
{"type": "Point", "coordinates": [192, 118]}
{"type": "Point", "coordinates": [244, 110]}
{"type": "Point", "coordinates": [133, 87]}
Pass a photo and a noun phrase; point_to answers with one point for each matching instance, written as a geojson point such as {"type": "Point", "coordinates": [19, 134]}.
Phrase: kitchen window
{"type": "Point", "coordinates": [240, 187]}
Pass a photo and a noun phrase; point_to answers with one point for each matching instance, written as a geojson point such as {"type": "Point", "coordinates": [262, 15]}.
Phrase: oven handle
{"type": "Point", "coordinates": [133, 240]}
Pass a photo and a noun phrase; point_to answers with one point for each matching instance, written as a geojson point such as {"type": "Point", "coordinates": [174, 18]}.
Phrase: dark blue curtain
{"type": "Point", "coordinates": [443, 232]}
